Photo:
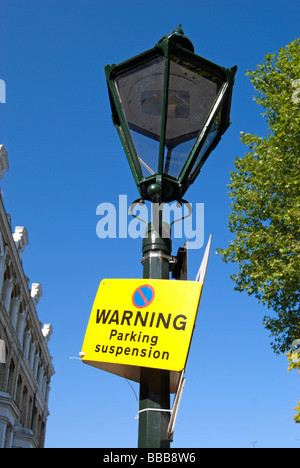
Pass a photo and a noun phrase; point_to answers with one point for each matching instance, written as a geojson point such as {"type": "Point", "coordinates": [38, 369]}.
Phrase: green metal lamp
{"type": "Point", "coordinates": [170, 108]}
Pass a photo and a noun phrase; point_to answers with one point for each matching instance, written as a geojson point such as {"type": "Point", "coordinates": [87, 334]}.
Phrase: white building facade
{"type": "Point", "coordinates": [25, 363]}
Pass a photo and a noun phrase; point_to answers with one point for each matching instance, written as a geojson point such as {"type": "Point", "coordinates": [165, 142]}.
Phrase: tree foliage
{"type": "Point", "coordinates": [265, 199]}
{"type": "Point", "coordinates": [294, 363]}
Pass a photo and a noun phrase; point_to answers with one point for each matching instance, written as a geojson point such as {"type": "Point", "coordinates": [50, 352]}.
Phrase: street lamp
{"type": "Point", "coordinates": [170, 108]}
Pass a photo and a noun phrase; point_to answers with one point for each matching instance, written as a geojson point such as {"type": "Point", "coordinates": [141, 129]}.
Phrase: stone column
{"type": "Point", "coordinates": [27, 343]}
{"type": "Point", "coordinates": [7, 299]}
{"type": "Point", "coordinates": [21, 326]}
{"type": "Point", "coordinates": [36, 363]}
{"type": "Point", "coordinates": [15, 310]}
{"type": "Point", "coordinates": [31, 355]}
{"type": "Point", "coordinates": [9, 437]}
{"type": "Point", "coordinates": [40, 381]}
{"type": "Point", "coordinates": [2, 270]}
{"type": "Point", "coordinates": [3, 425]}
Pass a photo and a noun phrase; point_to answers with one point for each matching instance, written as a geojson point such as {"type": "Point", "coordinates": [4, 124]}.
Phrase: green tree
{"type": "Point", "coordinates": [265, 200]}
{"type": "Point", "coordinates": [294, 363]}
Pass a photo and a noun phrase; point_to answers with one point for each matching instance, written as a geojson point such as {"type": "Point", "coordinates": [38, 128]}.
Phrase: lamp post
{"type": "Point", "coordinates": [170, 108]}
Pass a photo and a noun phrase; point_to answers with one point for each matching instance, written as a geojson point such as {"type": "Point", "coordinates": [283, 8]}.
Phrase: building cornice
{"type": "Point", "coordinates": [23, 282]}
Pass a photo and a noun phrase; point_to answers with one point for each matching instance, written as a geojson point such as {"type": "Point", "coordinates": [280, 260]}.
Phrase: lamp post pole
{"type": "Point", "coordinates": [155, 383]}
{"type": "Point", "coordinates": [170, 108]}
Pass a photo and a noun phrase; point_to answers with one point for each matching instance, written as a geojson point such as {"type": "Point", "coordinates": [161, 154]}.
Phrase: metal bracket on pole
{"type": "Point", "coordinates": [179, 264]}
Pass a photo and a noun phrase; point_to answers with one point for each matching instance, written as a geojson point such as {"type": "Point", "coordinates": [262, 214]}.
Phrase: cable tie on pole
{"type": "Point", "coordinates": [153, 409]}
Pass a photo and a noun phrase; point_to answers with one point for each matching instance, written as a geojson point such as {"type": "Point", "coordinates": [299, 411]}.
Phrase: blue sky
{"type": "Point", "coordinates": [65, 158]}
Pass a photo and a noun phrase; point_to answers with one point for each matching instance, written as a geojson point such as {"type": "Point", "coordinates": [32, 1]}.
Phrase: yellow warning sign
{"type": "Point", "coordinates": [138, 322]}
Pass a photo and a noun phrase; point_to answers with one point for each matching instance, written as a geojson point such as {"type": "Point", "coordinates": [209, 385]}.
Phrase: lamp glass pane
{"type": "Point", "coordinates": [208, 141]}
{"type": "Point", "coordinates": [141, 91]}
{"type": "Point", "coordinates": [191, 94]}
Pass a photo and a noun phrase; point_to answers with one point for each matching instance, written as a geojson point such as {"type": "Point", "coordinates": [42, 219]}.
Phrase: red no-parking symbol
{"type": "Point", "coordinates": [143, 296]}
